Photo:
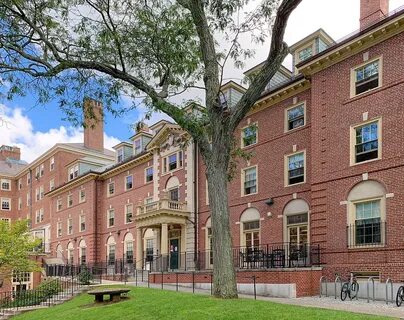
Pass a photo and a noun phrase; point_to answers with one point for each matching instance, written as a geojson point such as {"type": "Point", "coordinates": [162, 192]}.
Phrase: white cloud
{"type": "Point", "coordinates": [16, 130]}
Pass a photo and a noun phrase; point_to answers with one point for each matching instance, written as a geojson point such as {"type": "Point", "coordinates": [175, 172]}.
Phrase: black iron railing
{"type": "Point", "coordinates": [366, 233]}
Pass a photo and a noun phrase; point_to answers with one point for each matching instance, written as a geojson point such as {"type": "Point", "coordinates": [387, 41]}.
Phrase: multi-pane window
{"type": "Point", "coordinates": [82, 223]}
{"type": "Point", "coordinates": [128, 213]}
{"type": "Point", "coordinates": [39, 215]}
{"type": "Point", "coordinates": [129, 251]}
{"type": "Point", "coordinates": [172, 162]}
{"type": "Point", "coordinates": [149, 249]}
{"type": "Point", "coordinates": [28, 178]}
{"type": "Point", "coordinates": [58, 204]}
{"type": "Point", "coordinates": [41, 192]}
{"type": "Point", "coordinates": [252, 233]}
{"type": "Point", "coordinates": [368, 223]}
{"type": "Point", "coordinates": [128, 182]}
{"type": "Point", "coordinates": [5, 204]}
{"type": "Point", "coordinates": [366, 142]}
{"type": "Point", "coordinates": [19, 184]}
{"type": "Point", "coordinates": [19, 203]}
{"type": "Point", "coordinates": [73, 172]}
{"type": "Point", "coordinates": [295, 172]}
{"type": "Point", "coordinates": [5, 184]}
{"type": "Point", "coordinates": [59, 229]}
{"type": "Point", "coordinates": [82, 195]}
{"type": "Point", "coordinates": [69, 200]}
{"type": "Point", "coordinates": [137, 146]}
{"type": "Point", "coordinates": [69, 226]}
{"type": "Point", "coordinates": [51, 184]}
{"type": "Point", "coordinates": [41, 170]}
{"type": "Point", "coordinates": [149, 174]}
{"type": "Point", "coordinates": [305, 53]}
{"type": "Point", "coordinates": [83, 255]}
{"type": "Point", "coordinates": [111, 218]}
{"type": "Point", "coordinates": [111, 188]}
{"type": "Point", "coordinates": [295, 117]}
{"type": "Point", "coordinates": [28, 199]}
{"type": "Point", "coordinates": [36, 194]}
{"type": "Point", "coordinates": [52, 164]}
{"type": "Point", "coordinates": [367, 77]}
{"type": "Point", "coordinates": [111, 254]}
{"type": "Point", "coordinates": [249, 136]}
{"type": "Point", "coordinates": [120, 155]}
{"type": "Point", "coordinates": [174, 194]}
{"type": "Point", "coordinates": [250, 181]}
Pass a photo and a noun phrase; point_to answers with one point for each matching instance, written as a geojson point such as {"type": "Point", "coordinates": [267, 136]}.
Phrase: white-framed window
{"type": "Point", "coordinates": [111, 218]}
{"type": "Point", "coordinates": [28, 199]}
{"type": "Point", "coordinates": [368, 223]}
{"type": "Point", "coordinates": [249, 181]}
{"type": "Point", "coordinates": [83, 255]}
{"type": "Point", "coordinates": [111, 189]}
{"type": "Point", "coordinates": [82, 223]}
{"type": "Point", "coordinates": [39, 215]}
{"type": "Point", "coordinates": [37, 172]}
{"type": "Point", "coordinates": [73, 172]}
{"type": "Point", "coordinates": [249, 135]}
{"type": "Point", "coordinates": [295, 117]}
{"type": "Point", "coordinates": [69, 200]}
{"type": "Point", "coordinates": [19, 203]}
{"type": "Point", "coordinates": [173, 162]}
{"type": "Point", "coordinates": [52, 164]}
{"type": "Point", "coordinates": [41, 170]}
{"type": "Point", "coordinates": [149, 174]}
{"type": "Point", "coordinates": [41, 192]}
{"type": "Point", "coordinates": [137, 146]}
{"type": "Point", "coordinates": [128, 213]}
{"type": "Point", "coordinates": [120, 155]}
{"type": "Point", "coordinates": [82, 195]}
{"type": "Point", "coordinates": [6, 204]}
{"type": "Point", "coordinates": [28, 178]}
{"type": "Point", "coordinates": [51, 184]}
{"type": "Point", "coordinates": [59, 205]}
{"type": "Point", "coordinates": [59, 229]}
{"type": "Point", "coordinates": [5, 184]}
{"type": "Point", "coordinates": [36, 194]}
{"type": "Point", "coordinates": [305, 53]}
{"type": "Point", "coordinates": [366, 77]}
{"type": "Point", "coordinates": [366, 142]}
{"type": "Point", "coordinates": [128, 182]}
{"type": "Point", "coordinates": [69, 226]}
{"type": "Point", "coordinates": [19, 184]}
{"type": "Point", "coordinates": [295, 168]}
{"type": "Point", "coordinates": [129, 251]}
{"type": "Point", "coordinates": [251, 230]}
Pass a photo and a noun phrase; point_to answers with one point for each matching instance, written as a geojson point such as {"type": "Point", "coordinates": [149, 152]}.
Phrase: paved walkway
{"type": "Point", "coordinates": [359, 306]}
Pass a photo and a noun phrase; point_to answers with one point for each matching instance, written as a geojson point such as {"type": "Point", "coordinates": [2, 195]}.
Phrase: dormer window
{"type": "Point", "coordinates": [73, 172]}
{"type": "Point", "coordinates": [138, 146]}
{"type": "Point", "coordinates": [120, 155]}
{"type": "Point", "coordinates": [305, 53]}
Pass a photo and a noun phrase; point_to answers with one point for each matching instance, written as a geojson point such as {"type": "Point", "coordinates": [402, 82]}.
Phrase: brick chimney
{"type": "Point", "coordinates": [372, 11]}
{"type": "Point", "coordinates": [93, 124]}
{"type": "Point", "coordinates": [8, 152]}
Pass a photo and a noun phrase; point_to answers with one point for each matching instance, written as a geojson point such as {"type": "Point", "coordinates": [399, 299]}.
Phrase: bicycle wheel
{"type": "Point", "coordinates": [400, 296]}
{"type": "Point", "coordinates": [344, 291]}
{"type": "Point", "coordinates": [353, 290]}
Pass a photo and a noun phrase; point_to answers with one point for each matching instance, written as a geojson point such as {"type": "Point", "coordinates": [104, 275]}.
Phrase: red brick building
{"type": "Point", "coordinates": [322, 192]}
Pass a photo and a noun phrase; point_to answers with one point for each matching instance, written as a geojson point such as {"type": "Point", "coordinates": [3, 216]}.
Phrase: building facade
{"type": "Point", "coordinates": [322, 193]}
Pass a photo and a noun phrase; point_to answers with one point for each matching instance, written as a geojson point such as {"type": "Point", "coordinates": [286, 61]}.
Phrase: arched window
{"type": "Point", "coordinates": [128, 247]}
{"type": "Point", "coordinates": [296, 222]}
{"type": "Point", "coordinates": [149, 244]}
{"type": "Point", "coordinates": [111, 250]}
{"type": "Point", "coordinates": [172, 188]}
{"type": "Point", "coordinates": [83, 252]}
{"type": "Point", "coordinates": [250, 228]}
{"type": "Point", "coordinates": [70, 253]}
{"type": "Point", "coordinates": [209, 244]}
{"type": "Point", "coordinates": [366, 214]}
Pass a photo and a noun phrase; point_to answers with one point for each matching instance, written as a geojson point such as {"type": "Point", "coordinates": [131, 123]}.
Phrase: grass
{"type": "Point", "coordinates": [153, 304]}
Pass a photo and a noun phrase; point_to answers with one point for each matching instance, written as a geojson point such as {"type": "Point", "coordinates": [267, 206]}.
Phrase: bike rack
{"type": "Point", "coordinates": [387, 291]}
{"type": "Point", "coordinates": [337, 279]}
{"type": "Point", "coordinates": [323, 279]}
{"type": "Point", "coordinates": [373, 288]}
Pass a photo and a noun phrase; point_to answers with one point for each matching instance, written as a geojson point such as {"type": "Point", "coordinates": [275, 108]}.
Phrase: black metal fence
{"type": "Point", "coordinates": [366, 233]}
{"type": "Point", "coordinates": [47, 293]}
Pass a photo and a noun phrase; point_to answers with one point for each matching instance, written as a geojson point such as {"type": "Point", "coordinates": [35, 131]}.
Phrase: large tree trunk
{"type": "Point", "coordinates": [224, 276]}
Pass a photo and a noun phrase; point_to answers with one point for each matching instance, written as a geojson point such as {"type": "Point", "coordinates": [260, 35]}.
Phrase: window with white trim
{"type": "Point", "coordinates": [111, 218]}
{"type": "Point", "coordinates": [82, 223]}
{"type": "Point", "coordinates": [295, 117]}
{"type": "Point", "coordinates": [128, 182]}
{"type": "Point", "coordinates": [52, 164]}
{"type": "Point", "coordinates": [19, 184]}
{"type": "Point", "coordinates": [368, 225]}
{"type": "Point", "coordinates": [69, 200]}
{"type": "Point", "coordinates": [137, 144]}
{"type": "Point", "coordinates": [120, 155]}
{"type": "Point", "coordinates": [366, 77]}
{"type": "Point", "coordinates": [59, 204]}
{"type": "Point", "coordinates": [111, 189]}
{"type": "Point", "coordinates": [296, 168]}
{"type": "Point", "coordinates": [250, 181]}
{"type": "Point", "coordinates": [249, 136]}
{"type": "Point", "coordinates": [59, 229]}
{"type": "Point", "coordinates": [69, 226]}
{"type": "Point", "coordinates": [367, 145]}
{"type": "Point", "coordinates": [41, 170]}
{"type": "Point", "coordinates": [128, 213]}
{"type": "Point", "coordinates": [51, 184]}
{"type": "Point", "coordinates": [28, 178]}
{"type": "Point", "coordinates": [82, 195]}
{"type": "Point", "coordinates": [6, 204]}
{"type": "Point", "coordinates": [305, 53]}
{"type": "Point", "coordinates": [19, 203]}
{"type": "Point", "coordinates": [172, 162]}
{"type": "Point", "coordinates": [73, 172]}
{"type": "Point", "coordinates": [39, 215]}
{"type": "Point", "coordinates": [251, 231]}
{"type": "Point", "coordinates": [5, 184]}
{"type": "Point", "coordinates": [149, 174]}
{"type": "Point", "coordinates": [41, 192]}
{"type": "Point", "coordinates": [28, 199]}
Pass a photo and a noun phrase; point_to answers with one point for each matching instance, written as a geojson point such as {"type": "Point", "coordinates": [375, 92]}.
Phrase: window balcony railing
{"type": "Point", "coordinates": [163, 204]}
{"type": "Point", "coordinates": [371, 233]}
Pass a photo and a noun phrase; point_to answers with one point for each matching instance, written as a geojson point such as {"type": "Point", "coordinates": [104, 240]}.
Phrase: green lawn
{"type": "Point", "coordinates": [156, 304]}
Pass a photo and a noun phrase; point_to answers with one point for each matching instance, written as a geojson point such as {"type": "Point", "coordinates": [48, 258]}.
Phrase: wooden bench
{"type": "Point", "coordinates": [115, 294]}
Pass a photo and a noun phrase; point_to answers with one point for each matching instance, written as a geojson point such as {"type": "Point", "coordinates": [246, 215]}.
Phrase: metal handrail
{"type": "Point", "coordinates": [387, 290]}
{"type": "Point", "coordinates": [373, 288]}
{"type": "Point", "coordinates": [321, 287]}
{"type": "Point", "coordinates": [337, 279]}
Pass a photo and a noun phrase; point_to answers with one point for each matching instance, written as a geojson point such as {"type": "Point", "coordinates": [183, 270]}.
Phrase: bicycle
{"type": "Point", "coordinates": [350, 288]}
{"type": "Point", "coordinates": [400, 296]}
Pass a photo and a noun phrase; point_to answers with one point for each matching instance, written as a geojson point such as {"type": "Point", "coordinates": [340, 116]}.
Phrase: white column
{"type": "Point", "coordinates": [164, 238]}
{"type": "Point", "coordinates": [139, 248]}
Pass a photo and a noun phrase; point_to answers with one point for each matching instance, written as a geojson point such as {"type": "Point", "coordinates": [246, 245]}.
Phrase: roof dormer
{"type": "Point", "coordinates": [124, 150]}
{"type": "Point", "coordinates": [141, 138]}
{"type": "Point", "coordinates": [231, 93]}
{"type": "Point", "coordinates": [309, 46]}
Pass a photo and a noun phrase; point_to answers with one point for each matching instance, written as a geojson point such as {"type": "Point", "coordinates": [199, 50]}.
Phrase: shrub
{"type": "Point", "coordinates": [85, 276]}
